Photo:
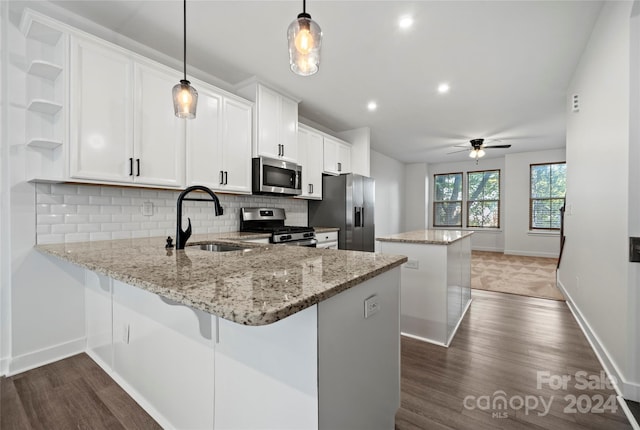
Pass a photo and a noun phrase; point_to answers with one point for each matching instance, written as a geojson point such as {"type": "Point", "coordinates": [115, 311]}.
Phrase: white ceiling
{"type": "Point", "coordinates": [508, 63]}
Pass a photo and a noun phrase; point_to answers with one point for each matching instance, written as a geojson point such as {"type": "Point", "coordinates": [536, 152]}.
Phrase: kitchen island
{"type": "Point", "coordinates": [272, 336]}
{"type": "Point", "coordinates": [435, 290]}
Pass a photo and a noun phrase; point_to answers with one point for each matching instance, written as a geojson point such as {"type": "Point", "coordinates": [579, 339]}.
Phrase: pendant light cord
{"type": "Point", "coordinates": [184, 39]}
{"type": "Point", "coordinates": [304, 6]}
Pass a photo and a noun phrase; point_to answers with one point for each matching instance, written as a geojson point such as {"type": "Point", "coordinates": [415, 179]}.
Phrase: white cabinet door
{"type": "Point", "coordinates": [268, 105]}
{"type": "Point", "coordinates": [159, 135]}
{"type": "Point", "coordinates": [344, 158]}
{"type": "Point", "coordinates": [330, 156]}
{"type": "Point", "coordinates": [310, 152]}
{"type": "Point", "coordinates": [266, 376]}
{"type": "Point", "coordinates": [101, 112]}
{"type": "Point", "coordinates": [204, 164]}
{"type": "Point", "coordinates": [289, 129]}
{"type": "Point", "coordinates": [165, 353]}
{"type": "Point", "coordinates": [236, 146]}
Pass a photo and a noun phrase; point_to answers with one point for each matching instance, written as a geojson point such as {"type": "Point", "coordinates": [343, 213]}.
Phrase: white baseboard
{"type": "Point", "coordinates": [4, 366]}
{"type": "Point", "coordinates": [135, 395]}
{"type": "Point", "coordinates": [627, 389]}
{"type": "Point", "coordinates": [531, 253]}
{"type": "Point", "coordinates": [486, 248]}
{"type": "Point", "coordinates": [38, 358]}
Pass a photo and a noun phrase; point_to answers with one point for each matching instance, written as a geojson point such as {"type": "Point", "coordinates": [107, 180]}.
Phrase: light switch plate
{"type": "Point", "coordinates": [371, 306]}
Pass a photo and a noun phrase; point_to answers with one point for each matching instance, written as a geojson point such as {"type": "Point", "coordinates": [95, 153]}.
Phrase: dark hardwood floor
{"type": "Point", "coordinates": [69, 394]}
{"type": "Point", "coordinates": [502, 344]}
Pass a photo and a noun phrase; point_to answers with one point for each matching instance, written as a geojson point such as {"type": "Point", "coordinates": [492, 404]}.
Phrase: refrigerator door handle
{"type": "Point", "coordinates": [362, 216]}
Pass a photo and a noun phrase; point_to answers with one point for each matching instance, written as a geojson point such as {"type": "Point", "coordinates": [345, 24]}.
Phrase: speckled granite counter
{"type": "Point", "coordinates": [427, 237]}
{"type": "Point", "coordinates": [256, 286]}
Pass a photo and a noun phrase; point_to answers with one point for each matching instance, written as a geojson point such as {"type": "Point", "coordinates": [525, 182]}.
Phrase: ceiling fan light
{"type": "Point", "coordinates": [305, 39]}
{"type": "Point", "coordinates": [481, 153]}
{"type": "Point", "coordinates": [473, 154]}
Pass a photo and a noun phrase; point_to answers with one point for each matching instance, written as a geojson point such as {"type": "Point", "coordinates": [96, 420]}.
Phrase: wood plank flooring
{"type": "Point", "coordinates": [501, 345]}
{"type": "Point", "coordinates": [69, 394]}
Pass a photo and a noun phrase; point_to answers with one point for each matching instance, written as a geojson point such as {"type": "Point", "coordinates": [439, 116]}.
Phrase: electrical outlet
{"type": "Point", "coordinates": [412, 264]}
{"type": "Point", "coordinates": [147, 208]}
{"type": "Point", "coordinates": [371, 306]}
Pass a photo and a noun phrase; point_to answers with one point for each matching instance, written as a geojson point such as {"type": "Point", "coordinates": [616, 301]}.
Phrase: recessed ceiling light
{"type": "Point", "coordinates": [443, 88]}
{"type": "Point", "coordinates": [405, 22]}
{"type": "Point", "coordinates": [372, 106]}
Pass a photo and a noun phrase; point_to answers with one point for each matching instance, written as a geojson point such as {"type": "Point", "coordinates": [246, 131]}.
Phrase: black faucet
{"type": "Point", "coordinates": [183, 236]}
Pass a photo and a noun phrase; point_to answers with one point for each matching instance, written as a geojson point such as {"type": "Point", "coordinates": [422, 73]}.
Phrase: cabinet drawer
{"type": "Point", "coordinates": [327, 237]}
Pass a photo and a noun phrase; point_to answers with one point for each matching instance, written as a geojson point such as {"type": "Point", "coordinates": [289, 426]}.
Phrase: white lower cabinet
{"type": "Point", "coordinates": [327, 240]}
{"type": "Point", "coordinates": [329, 366]}
{"type": "Point", "coordinates": [266, 376]}
{"type": "Point", "coordinates": [164, 353]}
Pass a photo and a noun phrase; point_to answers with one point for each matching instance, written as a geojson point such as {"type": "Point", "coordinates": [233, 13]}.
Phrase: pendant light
{"type": "Point", "coordinates": [305, 39]}
{"type": "Point", "coordinates": [185, 97]}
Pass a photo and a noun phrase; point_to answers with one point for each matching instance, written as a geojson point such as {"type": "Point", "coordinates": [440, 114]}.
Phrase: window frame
{"type": "Point", "coordinates": [469, 202]}
{"type": "Point", "coordinates": [531, 198]}
{"type": "Point", "coordinates": [461, 201]}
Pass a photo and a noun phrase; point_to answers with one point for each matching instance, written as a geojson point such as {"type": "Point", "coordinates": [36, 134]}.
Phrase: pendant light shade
{"type": "Point", "coordinates": [185, 97]}
{"type": "Point", "coordinates": [305, 40]}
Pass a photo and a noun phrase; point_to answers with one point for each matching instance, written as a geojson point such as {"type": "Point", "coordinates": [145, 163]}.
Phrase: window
{"type": "Point", "coordinates": [548, 188]}
{"type": "Point", "coordinates": [447, 201]}
{"type": "Point", "coordinates": [483, 199]}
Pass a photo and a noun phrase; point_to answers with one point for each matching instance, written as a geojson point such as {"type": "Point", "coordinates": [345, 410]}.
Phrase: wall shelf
{"type": "Point", "coordinates": [44, 106]}
{"type": "Point", "coordinates": [45, 69]}
{"type": "Point", "coordinates": [41, 32]}
{"type": "Point", "coordinates": [44, 143]}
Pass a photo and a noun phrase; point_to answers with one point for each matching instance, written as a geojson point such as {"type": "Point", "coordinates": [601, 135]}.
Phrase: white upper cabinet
{"type": "Point", "coordinates": [101, 112]}
{"type": "Point", "coordinates": [158, 134]}
{"type": "Point", "coordinates": [219, 142]}
{"type": "Point", "coordinates": [337, 156]}
{"type": "Point", "coordinates": [275, 123]}
{"type": "Point", "coordinates": [122, 123]}
{"type": "Point", "coordinates": [310, 155]}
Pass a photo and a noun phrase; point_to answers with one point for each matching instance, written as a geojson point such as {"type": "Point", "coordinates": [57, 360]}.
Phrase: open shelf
{"type": "Point", "coordinates": [44, 69]}
{"type": "Point", "coordinates": [44, 106]}
{"type": "Point", "coordinates": [41, 32]}
{"type": "Point", "coordinates": [44, 143]}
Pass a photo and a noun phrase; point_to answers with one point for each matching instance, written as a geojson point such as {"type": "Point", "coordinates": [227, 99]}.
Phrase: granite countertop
{"type": "Point", "coordinates": [325, 229]}
{"type": "Point", "coordinates": [427, 237]}
{"type": "Point", "coordinates": [256, 286]}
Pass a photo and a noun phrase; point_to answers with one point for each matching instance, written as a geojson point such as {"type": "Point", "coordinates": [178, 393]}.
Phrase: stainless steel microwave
{"type": "Point", "coordinates": [272, 176]}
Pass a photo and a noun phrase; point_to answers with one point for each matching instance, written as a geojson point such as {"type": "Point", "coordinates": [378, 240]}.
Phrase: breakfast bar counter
{"type": "Point", "coordinates": [269, 336]}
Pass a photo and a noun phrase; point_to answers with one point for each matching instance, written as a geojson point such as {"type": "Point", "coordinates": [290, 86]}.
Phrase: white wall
{"type": "Point", "coordinates": [482, 240]}
{"type": "Point", "coordinates": [517, 237]}
{"type": "Point", "coordinates": [5, 298]}
{"type": "Point", "coordinates": [390, 185]}
{"type": "Point", "coordinates": [416, 188]}
{"type": "Point", "coordinates": [595, 271]}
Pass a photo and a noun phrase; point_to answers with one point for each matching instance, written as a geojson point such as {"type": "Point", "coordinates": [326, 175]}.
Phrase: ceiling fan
{"type": "Point", "coordinates": [478, 147]}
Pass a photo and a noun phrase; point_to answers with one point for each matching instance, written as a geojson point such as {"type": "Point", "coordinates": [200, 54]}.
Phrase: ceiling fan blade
{"type": "Point", "coordinates": [462, 150]}
{"type": "Point", "coordinates": [496, 146]}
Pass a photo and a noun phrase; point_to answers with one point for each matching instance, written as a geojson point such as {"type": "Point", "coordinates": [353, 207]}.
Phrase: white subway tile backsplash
{"type": "Point", "coordinates": [73, 213]}
{"type": "Point", "coordinates": [76, 199]}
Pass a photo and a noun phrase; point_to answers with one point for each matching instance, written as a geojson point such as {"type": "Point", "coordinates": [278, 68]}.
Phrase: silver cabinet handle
{"type": "Point", "coordinates": [221, 177]}
{"type": "Point", "coordinates": [339, 167]}
{"type": "Point", "coordinates": [226, 177]}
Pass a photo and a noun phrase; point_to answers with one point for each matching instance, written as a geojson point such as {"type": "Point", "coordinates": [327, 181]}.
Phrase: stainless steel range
{"type": "Point", "coordinates": [271, 220]}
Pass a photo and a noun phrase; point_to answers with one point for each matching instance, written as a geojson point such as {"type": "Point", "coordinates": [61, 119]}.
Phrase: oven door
{"type": "Point", "coordinates": [311, 243]}
{"type": "Point", "coordinates": [271, 176]}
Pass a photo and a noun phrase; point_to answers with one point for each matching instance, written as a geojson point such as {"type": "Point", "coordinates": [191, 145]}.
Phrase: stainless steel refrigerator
{"type": "Point", "coordinates": [347, 203]}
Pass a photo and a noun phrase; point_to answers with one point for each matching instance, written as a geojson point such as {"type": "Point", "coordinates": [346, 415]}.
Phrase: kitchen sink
{"type": "Point", "coordinates": [219, 247]}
